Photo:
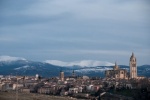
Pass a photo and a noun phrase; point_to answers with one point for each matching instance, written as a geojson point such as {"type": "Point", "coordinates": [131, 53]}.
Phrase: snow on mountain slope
{"type": "Point", "coordinates": [93, 70]}
{"type": "Point", "coordinates": [83, 63]}
{"type": "Point", "coordinates": [23, 67]}
{"type": "Point", "coordinates": [9, 59]}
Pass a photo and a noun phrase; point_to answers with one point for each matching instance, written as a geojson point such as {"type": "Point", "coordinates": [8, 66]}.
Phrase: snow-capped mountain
{"type": "Point", "coordinates": [24, 67]}
{"type": "Point", "coordinates": [21, 66]}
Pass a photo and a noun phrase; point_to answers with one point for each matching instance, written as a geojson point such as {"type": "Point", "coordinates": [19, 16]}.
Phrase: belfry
{"type": "Point", "coordinates": [133, 67]}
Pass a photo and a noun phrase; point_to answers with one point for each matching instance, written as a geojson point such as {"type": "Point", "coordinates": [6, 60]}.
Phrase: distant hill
{"type": "Point", "coordinates": [25, 67]}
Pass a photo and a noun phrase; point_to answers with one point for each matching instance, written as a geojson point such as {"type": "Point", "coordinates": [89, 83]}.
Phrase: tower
{"type": "Point", "coordinates": [61, 75]}
{"type": "Point", "coordinates": [73, 73]}
{"type": "Point", "coordinates": [133, 67]}
{"type": "Point", "coordinates": [116, 66]}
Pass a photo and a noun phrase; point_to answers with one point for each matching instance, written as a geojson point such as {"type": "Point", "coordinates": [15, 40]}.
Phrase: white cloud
{"type": "Point", "coordinates": [107, 52]}
{"type": "Point", "coordinates": [83, 63]}
{"type": "Point", "coordinates": [9, 59]}
{"type": "Point", "coordinates": [102, 9]}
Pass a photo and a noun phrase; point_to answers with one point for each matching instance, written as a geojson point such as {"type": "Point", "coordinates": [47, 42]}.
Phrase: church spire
{"type": "Point", "coordinates": [73, 73]}
{"type": "Point", "coordinates": [132, 57]}
{"type": "Point", "coordinates": [116, 66]}
{"type": "Point", "coordinates": [115, 63]}
{"type": "Point", "coordinates": [132, 54]}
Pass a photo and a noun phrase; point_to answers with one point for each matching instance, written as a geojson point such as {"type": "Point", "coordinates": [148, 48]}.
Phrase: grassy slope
{"type": "Point", "coordinates": [29, 96]}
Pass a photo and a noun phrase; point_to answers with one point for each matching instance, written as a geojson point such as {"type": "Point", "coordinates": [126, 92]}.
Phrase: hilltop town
{"type": "Point", "coordinates": [118, 84]}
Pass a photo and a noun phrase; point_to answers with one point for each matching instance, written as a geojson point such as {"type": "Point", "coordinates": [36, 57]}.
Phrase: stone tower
{"type": "Point", "coordinates": [133, 67]}
{"type": "Point", "coordinates": [61, 75]}
{"type": "Point", "coordinates": [116, 66]}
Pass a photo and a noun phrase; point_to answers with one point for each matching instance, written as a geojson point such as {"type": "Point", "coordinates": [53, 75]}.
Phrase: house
{"type": "Point", "coordinates": [15, 86]}
{"type": "Point", "coordinates": [64, 93]}
{"type": "Point", "coordinates": [6, 86]}
{"type": "Point", "coordinates": [73, 90]}
{"type": "Point", "coordinates": [2, 87]}
{"type": "Point", "coordinates": [44, 90]}
{"type": "Point", "coordinates": [25, 90]}
{"type": "Point", "coordinates": [129, 86]}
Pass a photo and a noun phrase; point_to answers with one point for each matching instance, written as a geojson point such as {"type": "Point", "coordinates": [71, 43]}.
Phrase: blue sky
{"type": "Point", "coordinates": [74, 30]}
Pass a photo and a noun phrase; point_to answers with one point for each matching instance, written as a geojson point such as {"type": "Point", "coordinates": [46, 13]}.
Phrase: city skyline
{"type": "Point", "coordinates": [76, 30]}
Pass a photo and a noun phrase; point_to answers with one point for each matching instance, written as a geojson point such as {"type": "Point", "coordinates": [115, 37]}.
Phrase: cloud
{"type": "Point", "coordinates": [100, 9]}
{"type": "Point", "coordinates": [9, 59]}
{"type": "Point", "coordinates": [72, 30]}
{"type": "Point", "coordinates": [83, 63]}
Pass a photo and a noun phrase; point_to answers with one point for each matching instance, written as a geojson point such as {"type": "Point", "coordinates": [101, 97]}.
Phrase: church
{"type": "Point", "coordinates": [118, 73]}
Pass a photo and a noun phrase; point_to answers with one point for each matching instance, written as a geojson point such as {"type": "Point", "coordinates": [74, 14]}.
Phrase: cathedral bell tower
{"type": "Point", "coordinates": [133, 67]}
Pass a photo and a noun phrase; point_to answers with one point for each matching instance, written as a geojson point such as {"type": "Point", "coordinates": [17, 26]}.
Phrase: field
{"type": "Point", "coordinates": [30, 96]}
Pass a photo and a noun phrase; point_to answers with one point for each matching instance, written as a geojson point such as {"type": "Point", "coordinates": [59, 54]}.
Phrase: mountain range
{"type": "Point", "coordinates": [50, 68]}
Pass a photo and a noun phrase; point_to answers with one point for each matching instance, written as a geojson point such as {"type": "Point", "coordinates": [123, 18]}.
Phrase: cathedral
{"type": "Point", "coordinates": [119, 73]}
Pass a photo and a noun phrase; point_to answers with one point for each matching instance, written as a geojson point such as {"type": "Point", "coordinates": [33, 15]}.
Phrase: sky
{"type": "Point", "coordinates": [76, 30]}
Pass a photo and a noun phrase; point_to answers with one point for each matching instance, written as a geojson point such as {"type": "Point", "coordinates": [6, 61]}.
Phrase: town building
{"type": "Point", "coordinates": [61, 75]}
